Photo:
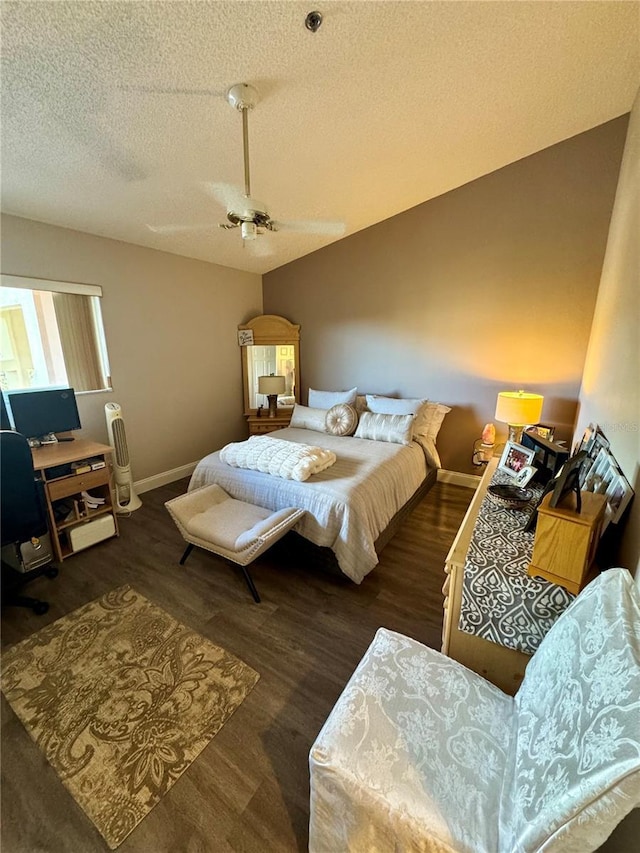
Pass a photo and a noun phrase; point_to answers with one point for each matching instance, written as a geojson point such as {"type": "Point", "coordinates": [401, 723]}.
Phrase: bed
{"type": "Point", "coordinates": [350, 507]}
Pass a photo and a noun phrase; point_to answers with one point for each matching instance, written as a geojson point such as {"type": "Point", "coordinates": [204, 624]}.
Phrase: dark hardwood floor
{"type": "Point", "coordinates": [249, 789]}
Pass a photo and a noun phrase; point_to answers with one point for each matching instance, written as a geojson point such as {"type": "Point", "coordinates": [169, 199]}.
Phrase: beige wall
{"type": "Point", "coordinates": [489, 287]}
{"type": "Point", "coordinates": [610, 393]}
{"type": "Point", "coordinates": [170, 324]}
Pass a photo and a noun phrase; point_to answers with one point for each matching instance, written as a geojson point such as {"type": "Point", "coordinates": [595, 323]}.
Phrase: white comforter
{"type": "Point", "coordinates": [347, 506]}
{"type": "Point", "coordinates": [285, 459]}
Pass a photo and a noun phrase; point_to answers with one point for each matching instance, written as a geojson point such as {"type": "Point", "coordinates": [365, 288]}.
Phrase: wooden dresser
{"type": "Point", "coordinates": [502, 666]}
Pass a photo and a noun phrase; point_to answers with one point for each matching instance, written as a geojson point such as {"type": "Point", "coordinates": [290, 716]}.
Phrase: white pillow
{"type": "Point", "coordinates": [327, 399]}
{"type": "Point", "coordinates": [394, 405]}
{"type": "Point", "coordinates": [341, 420]}
{"type": "Point", "coordinates": [398, 429]}
{"type": "Point", "coordinates": [304, 417]}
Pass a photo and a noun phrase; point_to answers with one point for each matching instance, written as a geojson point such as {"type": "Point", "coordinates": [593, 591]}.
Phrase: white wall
{"type": "Point", "coordinates": [610, 392]}
{"type": "Point", "coordinates": [171, 328]}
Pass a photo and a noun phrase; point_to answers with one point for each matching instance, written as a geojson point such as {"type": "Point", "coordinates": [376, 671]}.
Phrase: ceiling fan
{"type": "Point", "coordinates": [244, 211]}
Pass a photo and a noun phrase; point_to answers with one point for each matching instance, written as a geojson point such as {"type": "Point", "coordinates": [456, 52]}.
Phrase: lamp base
{"type": "Point", "coordinates": [272, 399]}
{"type": "Point", "coordinates": [515, 433]}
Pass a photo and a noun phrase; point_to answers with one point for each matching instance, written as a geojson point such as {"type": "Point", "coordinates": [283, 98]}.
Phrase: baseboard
{"type": "Point", "coordinates": [457, 478]}
{"type": "Point", "coordinates": [164, 477]}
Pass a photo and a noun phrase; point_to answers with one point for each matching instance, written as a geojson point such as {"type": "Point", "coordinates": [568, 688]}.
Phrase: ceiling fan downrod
{"type": "Point", "coordinates": [243, 97]}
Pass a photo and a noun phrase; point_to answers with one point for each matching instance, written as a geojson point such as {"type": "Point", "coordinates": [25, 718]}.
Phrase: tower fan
{"type": "Point", "coordinates": [126, 498]}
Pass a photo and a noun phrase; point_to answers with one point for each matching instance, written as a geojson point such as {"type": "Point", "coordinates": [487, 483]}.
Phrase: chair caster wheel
{"type": "Point", "coordinates": [40, 608]}
{"type": "Point", "coordinates": [51, 572]}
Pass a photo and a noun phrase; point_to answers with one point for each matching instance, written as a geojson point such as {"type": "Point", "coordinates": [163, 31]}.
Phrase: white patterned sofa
{"type": "Point", "coordinates": [421, 754]}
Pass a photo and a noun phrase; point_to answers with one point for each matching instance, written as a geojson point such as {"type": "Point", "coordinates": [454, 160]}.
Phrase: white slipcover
{"type": "Point", "coordinates": [422, 754]}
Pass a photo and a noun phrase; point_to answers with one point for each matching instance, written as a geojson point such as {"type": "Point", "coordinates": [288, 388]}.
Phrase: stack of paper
{"type": "Point", "coordinates": [92, 501]}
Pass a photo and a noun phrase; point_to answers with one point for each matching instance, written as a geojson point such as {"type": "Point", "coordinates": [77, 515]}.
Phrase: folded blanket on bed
{"type": "Point", "coordinates": [285, 459]}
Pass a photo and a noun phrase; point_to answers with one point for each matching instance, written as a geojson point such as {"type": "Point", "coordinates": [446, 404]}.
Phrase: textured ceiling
{"type": "Point", "coordinates": [114, 116]}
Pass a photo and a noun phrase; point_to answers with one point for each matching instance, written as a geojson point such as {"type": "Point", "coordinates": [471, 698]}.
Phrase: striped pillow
{"type": "Point", "coordinates": [397, 429]}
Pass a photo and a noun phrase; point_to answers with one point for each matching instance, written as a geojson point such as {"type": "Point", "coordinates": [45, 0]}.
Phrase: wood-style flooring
{"type": "Point", "coordinates": [249, 789]}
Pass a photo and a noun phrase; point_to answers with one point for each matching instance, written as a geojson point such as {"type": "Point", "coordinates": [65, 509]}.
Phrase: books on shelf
{"type": "Point", "coordinates": [86, 465]}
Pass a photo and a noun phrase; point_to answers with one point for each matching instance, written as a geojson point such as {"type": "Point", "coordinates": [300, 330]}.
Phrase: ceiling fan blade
{"type": "Point", "coordinates": [178, 229]}
{"type": "Point", "coordinates": [228, 195]}
{"type": "Point", "coordinates": [310, 226]}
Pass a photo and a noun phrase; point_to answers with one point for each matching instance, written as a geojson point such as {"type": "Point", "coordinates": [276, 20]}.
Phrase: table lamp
{"type": "Point", "coordinates": [518, 408]}
{"type": "Point", "coordinates": [271, 386]}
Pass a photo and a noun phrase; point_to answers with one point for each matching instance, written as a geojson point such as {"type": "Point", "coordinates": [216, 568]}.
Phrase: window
{"type": "Point", "coordinates": [51, 334]}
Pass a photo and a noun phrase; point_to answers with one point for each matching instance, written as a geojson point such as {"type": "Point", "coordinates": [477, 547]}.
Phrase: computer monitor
{"type": "Point", "coordinates": [41, 413]}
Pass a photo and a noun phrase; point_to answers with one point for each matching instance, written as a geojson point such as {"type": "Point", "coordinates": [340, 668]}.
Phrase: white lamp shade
{"type": "Point", "coordinates": [519, 408]}
{"type": "Point", "coordinates": [271, 385]}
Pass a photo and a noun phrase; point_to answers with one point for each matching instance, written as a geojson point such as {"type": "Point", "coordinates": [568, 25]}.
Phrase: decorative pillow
{"type": "Point", "coordinates": [430, 419]}
{"type": "Point", "coordinates": [304, 417]}
{"type": "Point", "coordinates": [361, 404]}
{"type": "Point", "coordinates": [341, 420]}
{"type": "Point", "coordinates": [397, 429]}
{"type": "Point", "coordinates": [429, 447]}
{"type": "Point", "coordinates": [394, 405]}
{"type": "Point", "coordinates": [327, 399]}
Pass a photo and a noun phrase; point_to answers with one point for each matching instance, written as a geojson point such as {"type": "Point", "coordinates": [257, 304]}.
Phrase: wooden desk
{"type": "Point", "coordinates": [59, 485]}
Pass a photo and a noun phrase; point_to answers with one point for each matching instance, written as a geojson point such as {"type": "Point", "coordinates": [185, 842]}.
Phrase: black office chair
{"type": "Point", "coordinates": [26, 546]}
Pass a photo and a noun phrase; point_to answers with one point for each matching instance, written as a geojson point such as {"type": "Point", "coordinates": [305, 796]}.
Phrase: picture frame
{"type": "Point", "coordinates": [525, 475]}
{"type": "Point", "coordinates": [544, 431]}
{"type": "Point", "coordinates": [618, 495]}
{"type": "Point", "coordinates": [588, 440]}
{"type": "Point", "coordinates": [568, 480]}
{"type": "Point", "coordinates": [514, 458]}
{"type": "Point", "coordinates": [245, 337]}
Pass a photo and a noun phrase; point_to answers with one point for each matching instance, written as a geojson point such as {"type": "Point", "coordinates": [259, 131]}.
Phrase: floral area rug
{"type": "Point", "coordinates": [121, 698]}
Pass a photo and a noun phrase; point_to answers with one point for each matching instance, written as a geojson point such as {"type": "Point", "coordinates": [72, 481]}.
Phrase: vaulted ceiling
{"type": "Point", "coordinates": [114, 115]}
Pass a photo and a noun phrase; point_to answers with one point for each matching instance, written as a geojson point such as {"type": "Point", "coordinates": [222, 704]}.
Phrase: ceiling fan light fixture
{"type": "Point", "coordinates": [249, 230]}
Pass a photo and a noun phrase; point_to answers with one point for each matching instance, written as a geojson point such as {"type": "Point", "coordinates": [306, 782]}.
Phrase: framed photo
{"type": "Point", "coordinates": [593, 441]}
{"type": "Point", "coordinates": [544, 431]}
{"type": "Point", "coordinates": [601, 472]}
{"type": "Point", "coordinates": [515, 457]}
{"type": "Point", "coordinates": [523, 477]}
{"type": "Point", "coordinates": [568, 480]}
{"type": "Point", "coordinates": [618, 496]}
{"type": "Point", "coordinates": [588, 440]}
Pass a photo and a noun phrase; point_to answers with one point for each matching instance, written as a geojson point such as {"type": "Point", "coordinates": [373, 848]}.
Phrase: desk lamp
{"type": "Point", "coordinates": [518, 408]}
{"type": "Point", "coordinates": [271, 386]}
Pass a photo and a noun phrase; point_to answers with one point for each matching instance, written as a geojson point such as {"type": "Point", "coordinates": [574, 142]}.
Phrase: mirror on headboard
{"type": "Point", "coordinates": [275, 350]}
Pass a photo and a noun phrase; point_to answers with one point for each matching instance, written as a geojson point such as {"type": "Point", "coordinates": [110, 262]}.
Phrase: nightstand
{"type": "Point", "coordinates": [264, 424]}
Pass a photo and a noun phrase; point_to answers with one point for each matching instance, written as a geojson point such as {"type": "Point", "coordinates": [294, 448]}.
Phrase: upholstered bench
{"type": "Point", "coordinates": [235, 530]}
